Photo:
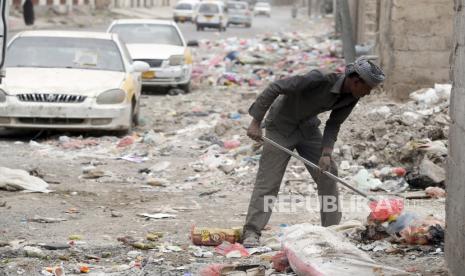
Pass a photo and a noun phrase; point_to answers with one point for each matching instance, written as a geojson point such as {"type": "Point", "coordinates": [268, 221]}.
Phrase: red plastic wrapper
{"type": "Point", "coordinates": [212, 270]}
{"type": "Point", "coordinates": [227, 247]}
{"type": "Point", "coordinates": [399, 171]}
{"type": "Point", "coordinates": [232, 144]}
{"type": "Point", "coordinates": [382, 209]}
{"type": "Point", "coordinates": [280, 262]}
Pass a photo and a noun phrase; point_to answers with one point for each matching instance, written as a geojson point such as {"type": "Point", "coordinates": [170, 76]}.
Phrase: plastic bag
{"type": "Point", "coordinates": [227, 249]}
{"type": "Point", "coordinates": [382, 210]}
{"type": "Point", "coordinates": [316, 251]}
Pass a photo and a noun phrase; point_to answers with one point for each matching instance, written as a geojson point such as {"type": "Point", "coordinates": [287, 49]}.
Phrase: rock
{"type": "Point", "coordinates": [33, 252]}
{"type": "Point", "coordinates": [227, 169]}
{"type": "Point", "coordinates": [345, 165]}
{"type": "Point", "coordinates": [153, 138]}
{"type": "Point", "coordinates": [432, 171]}
{"type": "Point", "coordinates": [410, 118]}
{"type": "Point", "coordinates": [157, 182]}
{"type": "Point", "coordinates": [249, 95]}
{"type": "Point", "coordinates": [91, 172]}
{"type": "Point", "coordinates": [379, 130]}
{"type": "Point", "coordinates": [347, 152]}
{"type": "Point", "coordinates": [222, 127]}
{"type": "Point", "coordinates": [56, 246]}
{"type": "Point", "coordinates": [380, 113]}
{"type": "Point", "coordinates": [134, 253]}
{"type": "Point", "coordinates": [160, 167]}
{"type": "Point", "coordinates": [115, 214]}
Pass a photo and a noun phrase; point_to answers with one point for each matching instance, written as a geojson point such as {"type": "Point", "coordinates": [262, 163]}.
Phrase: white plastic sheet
{"type": "Point", "coordinates": [317, 251]}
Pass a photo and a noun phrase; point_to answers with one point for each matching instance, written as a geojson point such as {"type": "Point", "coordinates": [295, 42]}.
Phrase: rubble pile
{"type": "Point", "coordinates": [409, 137]}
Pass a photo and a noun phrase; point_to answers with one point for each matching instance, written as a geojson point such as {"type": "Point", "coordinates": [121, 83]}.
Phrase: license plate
{"type": "Point", "coordinates": [182, 18]}
{"type": "Point", "coordinates": [148, 75]}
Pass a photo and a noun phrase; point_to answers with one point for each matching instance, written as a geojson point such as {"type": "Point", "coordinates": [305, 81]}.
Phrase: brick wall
{"type": "Point", "coordinates": [414, 44]}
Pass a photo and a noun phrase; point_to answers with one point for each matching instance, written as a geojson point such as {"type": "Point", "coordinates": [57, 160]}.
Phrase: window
{"type": "Point", "coordinates": [147, 34]}
{"type": "Point", "coordinates": [64, 52]}
{"type": "Point", "coordinates": [184, 6]}
{"type": "Point", "coordinates": [209, 8]}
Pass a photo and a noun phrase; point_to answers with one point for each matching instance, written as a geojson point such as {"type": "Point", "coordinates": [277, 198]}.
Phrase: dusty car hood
{"type": "Point", "coordinates": [154, 51]}
{"type": "Point", "coordinates": [60, 81]}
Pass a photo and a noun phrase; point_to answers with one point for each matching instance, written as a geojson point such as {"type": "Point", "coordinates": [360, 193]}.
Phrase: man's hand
{"type": "Point", "coordinates": [325, 163]}
{"type": "Point", "coordinates": [325, 160]}
{"type": "Point", "coordinates": [255, 131]}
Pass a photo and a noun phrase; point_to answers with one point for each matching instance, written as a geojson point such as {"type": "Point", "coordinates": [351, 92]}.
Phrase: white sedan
{"type": "Point", "coordinates": [69, 80]}
{"type": "Point", "coordinates": [262, 8]}
{"type": "Point", "coordinates": [160, 44]}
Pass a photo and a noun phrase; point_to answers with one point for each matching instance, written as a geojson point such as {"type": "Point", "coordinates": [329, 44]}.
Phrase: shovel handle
{"type": "Point", "coordinates": [328, 174]}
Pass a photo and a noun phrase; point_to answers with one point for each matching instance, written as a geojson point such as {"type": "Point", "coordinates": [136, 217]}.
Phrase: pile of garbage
{"type": "Point", "coordinates": [404, 146]}
{"type": "Point", "coordinates": [252, 63]}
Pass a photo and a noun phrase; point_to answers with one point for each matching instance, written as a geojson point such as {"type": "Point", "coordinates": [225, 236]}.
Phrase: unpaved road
{"type": "Point", "coordinates": [104, 209]}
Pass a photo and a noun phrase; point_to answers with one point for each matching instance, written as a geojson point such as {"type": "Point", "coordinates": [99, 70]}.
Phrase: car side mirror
{"type": "Point", "coordinates": [140, 66]}
{"type": "Point", "coordinates": [193, 43]}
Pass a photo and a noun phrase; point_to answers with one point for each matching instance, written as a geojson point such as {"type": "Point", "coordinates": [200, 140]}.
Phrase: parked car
{"type": "Point", "coordinates": [70, 80]}
{"type": "Point", "coordinates": [184, 11]}
{"type": "Point", "coordinates": [161, 44]}
{"type": "Point", "coordinates": [262, 8]}
{"type": "Point", "coordinates": [238, 13]}
{"type": "Point", "coordinates": [211, 15]}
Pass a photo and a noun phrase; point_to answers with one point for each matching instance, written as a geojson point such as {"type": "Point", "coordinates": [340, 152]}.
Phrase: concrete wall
{"type": "Point", "coordinates": [415, 40]}
{"type": "Point", "coordinates": [455, 203]}
{"type": "Point", "coordinates": [366, 21]}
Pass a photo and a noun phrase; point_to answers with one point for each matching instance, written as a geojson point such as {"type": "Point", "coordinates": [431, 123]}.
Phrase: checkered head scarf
{"type": "Point", "coordinates": [367, 70]}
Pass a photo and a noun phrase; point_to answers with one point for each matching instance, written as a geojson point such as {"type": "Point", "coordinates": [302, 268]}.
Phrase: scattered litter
{"type": "Point", "coordinates": [156, 216]}
{"type": "Point", "coordinates": [200, 253]}
{"type": "Point", "coordinates": [40, 219]}
{"type": "Point", "coordinates": [33, 252]}
{"type": "Point", "coordinates": [214, 236]}
{"type": "Point", "coordinates": [232, 250]}
{"type": "Point", "coordinates": [315, 250]}
{"type": "Point", "coordinates": [134, 158]}
{"type": "Point", "coordinates": [435, 192]}
{"type": "Point", "coordinates": [126, 141]}
{"type": "Point", "coordinates": [20, 180]}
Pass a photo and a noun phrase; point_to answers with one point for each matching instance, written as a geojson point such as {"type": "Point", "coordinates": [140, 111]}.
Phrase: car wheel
{"type": "Point", "coordinates": [186, 87]}
{"type": "Point", "coordinates": [248, 25]}
{"type": "Point", "coordinates": [136, 115]}
{"type": "Point", "coordinates": [198, 28]}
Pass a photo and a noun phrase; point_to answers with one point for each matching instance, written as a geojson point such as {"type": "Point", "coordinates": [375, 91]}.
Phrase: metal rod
{"type": "Point", "coordinates": [328, 174]}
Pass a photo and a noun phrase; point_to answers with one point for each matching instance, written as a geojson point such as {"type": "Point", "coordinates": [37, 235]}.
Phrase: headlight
{"type": "Point", "coordinates": [187, 57]}
{"type": "Point", "coordinates": [113, 96]}
{"type": "Point", "coordinates": [176, 60]}
{"type": "Point", "coordinates": [2, 96]}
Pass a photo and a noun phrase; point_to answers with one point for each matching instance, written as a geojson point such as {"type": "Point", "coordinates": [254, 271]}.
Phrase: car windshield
{"type": "Point", "coordinates": [237, 6]}
{"type": "Point", "coordinates": [262, 5]}
{"type": "Point", "coordinates": [209, 8]}
{"type": "Point", "coordinates": [184, 6]}
{"type": "Point", "coordinates": [64, 52]}
{"type": "Point", "coordinates": [148, 34]}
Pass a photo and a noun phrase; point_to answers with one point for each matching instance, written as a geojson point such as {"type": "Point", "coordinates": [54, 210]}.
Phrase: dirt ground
{"type": "Point", "coordinates": [185, 182]}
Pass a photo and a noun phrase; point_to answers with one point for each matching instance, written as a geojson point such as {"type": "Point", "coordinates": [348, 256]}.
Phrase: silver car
{"type": "Point", "coordinates": [239, 13]}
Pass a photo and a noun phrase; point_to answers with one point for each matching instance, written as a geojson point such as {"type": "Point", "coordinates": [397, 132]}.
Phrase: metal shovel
{"type": "Point", "coordinates": [328, 174]}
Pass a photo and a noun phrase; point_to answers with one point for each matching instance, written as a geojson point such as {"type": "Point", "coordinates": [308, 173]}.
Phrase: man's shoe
{"type": "Point", "coordinates": [251, 239]}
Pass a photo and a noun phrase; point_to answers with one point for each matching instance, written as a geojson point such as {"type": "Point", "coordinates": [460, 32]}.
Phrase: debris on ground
{"type": "Point", "coordinates": [316, 250]}
{"type": "Point", "coordinates": [20, 180]}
